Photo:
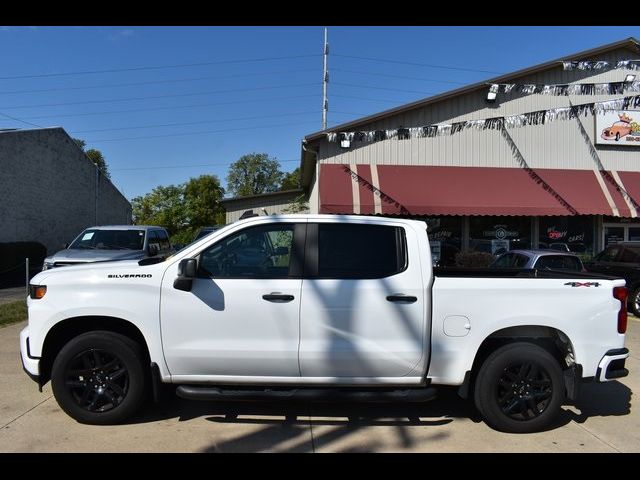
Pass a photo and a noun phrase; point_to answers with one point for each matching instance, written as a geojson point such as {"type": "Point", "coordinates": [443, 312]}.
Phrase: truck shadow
{"type": "Point", "coordinates": [599, 400]}
{"type": "Point", "coordinates": [596, 400]}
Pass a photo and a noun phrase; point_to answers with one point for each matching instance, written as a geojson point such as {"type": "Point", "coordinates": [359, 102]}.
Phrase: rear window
{"type": "Point", "coordinates": [559, 262]}
{"type": "Point", "coordinates": [360, 251]}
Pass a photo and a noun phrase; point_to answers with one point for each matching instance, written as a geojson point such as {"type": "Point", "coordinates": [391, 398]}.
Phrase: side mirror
{"type": "Point", "coordinates": [281, 251]}
{"type": "Point", "coordinates": [187, 270]}
{"type": "Point", "coordinates": [152, 249]}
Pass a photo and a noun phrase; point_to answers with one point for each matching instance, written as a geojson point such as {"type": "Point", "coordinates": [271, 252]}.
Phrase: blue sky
{"type": "Point", "coordinates": [238, 90]}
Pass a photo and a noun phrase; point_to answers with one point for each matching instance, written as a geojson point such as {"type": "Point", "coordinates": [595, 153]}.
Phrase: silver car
{"type": "Point", "coordinates": [539, 259]}
{"type": "Point", "coordinates": [113, 242]}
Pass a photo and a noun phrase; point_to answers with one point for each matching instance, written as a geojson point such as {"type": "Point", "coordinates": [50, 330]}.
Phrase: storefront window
{"type": "Point", "coordinates": [445, 238]}
{"type": "Point", "coordinates": [496, 235]}
{"type": "Point", "coordinates": [570, 234]}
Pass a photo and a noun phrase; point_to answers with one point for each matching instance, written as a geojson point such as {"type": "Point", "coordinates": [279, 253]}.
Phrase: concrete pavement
{"type": "Point", "coordinates": [604, 420]}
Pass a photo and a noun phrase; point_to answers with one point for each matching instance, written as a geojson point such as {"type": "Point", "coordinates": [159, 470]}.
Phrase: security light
{"type": "Point", "coordinates": [629, 78]}
{"type": "Point", "coordinates": [493, 93]}
{"type": "Point", "coordinates": [345, 143]}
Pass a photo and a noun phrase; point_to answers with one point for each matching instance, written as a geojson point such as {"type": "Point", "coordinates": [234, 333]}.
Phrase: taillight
{"type": "Point", "coordinates": [620, 293]}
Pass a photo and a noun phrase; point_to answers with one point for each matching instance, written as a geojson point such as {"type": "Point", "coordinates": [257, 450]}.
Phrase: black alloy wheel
{"type": "Point", "coordinates": [524, 390]}
{"type": "Point", "coordinates": [99, 377]}
{"type": "Point", "coordinates": [97, 380]}
{"type": "Point", "coordinates": [520, 388]}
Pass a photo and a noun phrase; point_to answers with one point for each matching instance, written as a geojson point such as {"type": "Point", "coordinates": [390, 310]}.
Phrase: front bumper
{"type": "Point", "coordinates": [30, 364]}
{"type": "Point", "coordinates": [612, 365]}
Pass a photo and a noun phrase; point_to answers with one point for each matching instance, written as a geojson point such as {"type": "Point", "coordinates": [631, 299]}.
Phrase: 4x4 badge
{"type": "Point", "coordinates": [585, 284]}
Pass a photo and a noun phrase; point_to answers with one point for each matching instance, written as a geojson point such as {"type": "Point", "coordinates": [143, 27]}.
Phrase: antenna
{"type": "Point", "coordinates": [325, 81]}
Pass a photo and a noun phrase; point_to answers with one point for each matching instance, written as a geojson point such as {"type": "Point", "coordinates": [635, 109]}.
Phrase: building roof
{"type": "Point", "coordinates": [631, 43]}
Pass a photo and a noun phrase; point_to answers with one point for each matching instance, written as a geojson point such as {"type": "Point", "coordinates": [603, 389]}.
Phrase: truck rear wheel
{"type": "Point", "coordinates": [519, 388]}
{"type": "Point", "coordinates": [98, 378]}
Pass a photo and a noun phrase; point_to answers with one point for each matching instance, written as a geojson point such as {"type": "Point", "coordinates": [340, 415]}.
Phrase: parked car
{"type": "Point", "coordinates": [621, 260]}
{"type": "Point", "coordinates": [539, 259]}
{"type": "Point", "coordinates": [206, 231]}
{"type": "Point", "coordinates": [301, 307]}
{"type": "Point", "coordinates": [113, 242]}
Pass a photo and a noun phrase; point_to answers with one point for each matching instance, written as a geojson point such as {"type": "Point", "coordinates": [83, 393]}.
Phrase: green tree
{"type": "Point", "coordinates": [254, 174]}
{"type": "Point", "coordinates": [95, 156]}
{"type": "Point", "coordinates": [98, 160]}
{"type": "Point", "coordinates": [291, 180]}
{"type": "Point", "coordinates": [182, 209]}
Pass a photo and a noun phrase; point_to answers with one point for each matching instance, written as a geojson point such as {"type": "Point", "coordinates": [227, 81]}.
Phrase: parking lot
{"type": "Point", "coordinates": [604, 420]}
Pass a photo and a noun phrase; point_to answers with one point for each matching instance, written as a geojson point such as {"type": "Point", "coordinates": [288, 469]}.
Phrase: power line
{"type": "Point", "coordinates": [174, 107]}
{"type": "Point", "coordinates": [198, 133]}
{"type": "Point", "coordinates": [156, 82]}
{"type": "Point", "coordinates": [162, 96]}
{"type": "Point", "coordinates": [156, 67]}
{"type": "Point", "coordinates": [194, 123]}
{"type": "Point", "coordinates": [400, 62]}
{"type": "Point", "coordinates": [373, 87]}
{"type": "Point", "coordinates": [380, 74]}
{"type": "Point", "coordinates": [369, 99]}
{"type": "Point", "coordinates": [189, 166]}
{"type": "Point", "coordinates": [22, 121]}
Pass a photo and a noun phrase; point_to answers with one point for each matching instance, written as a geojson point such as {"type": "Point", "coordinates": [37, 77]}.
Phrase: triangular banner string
{"type": "Point", "coordinates": [539, 117]}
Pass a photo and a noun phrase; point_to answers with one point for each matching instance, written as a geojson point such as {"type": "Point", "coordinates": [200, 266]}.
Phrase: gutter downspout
{"type": "Point", "coordinates": [316, 201]}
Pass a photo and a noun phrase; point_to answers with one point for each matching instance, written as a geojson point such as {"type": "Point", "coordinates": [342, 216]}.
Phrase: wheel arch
{"type": "Point", "coordinates": [62, 332]}
{"type": "Point", "coordinates": [555, 341]}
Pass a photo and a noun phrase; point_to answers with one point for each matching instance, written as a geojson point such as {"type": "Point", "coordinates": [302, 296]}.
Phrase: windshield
{"type": "Point", "coordinates": [109, 240]}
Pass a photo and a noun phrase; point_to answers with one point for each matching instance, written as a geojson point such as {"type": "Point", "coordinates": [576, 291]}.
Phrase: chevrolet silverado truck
{"type": "Point", "coordinates": [325, 308]}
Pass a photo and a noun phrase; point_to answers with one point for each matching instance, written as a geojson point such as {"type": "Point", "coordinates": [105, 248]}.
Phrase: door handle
{"type": "Point", "coordinates": [277, 297]}
{"type": "Point", "coordinates": [400, 298]}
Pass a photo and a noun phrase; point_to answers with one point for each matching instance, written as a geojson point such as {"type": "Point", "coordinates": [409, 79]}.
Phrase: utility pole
{"type": "Point", "coordinates": [325, 81]}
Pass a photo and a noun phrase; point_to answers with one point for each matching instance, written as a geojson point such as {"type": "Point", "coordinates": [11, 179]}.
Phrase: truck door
{"type": "Point", "coordinates": [363, 311]}
{"type": "Point", "coordinates": [241, 317]}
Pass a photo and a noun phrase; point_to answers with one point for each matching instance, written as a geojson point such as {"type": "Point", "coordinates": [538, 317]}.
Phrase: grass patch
{"type": "Point", "coordinates": [13, 312]}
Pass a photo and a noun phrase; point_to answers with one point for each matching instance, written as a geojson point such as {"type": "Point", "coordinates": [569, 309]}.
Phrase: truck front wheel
{"type": "Point", "coordinates": [519, 388]}
{"type": "Point", "coordinates": [98, 378]}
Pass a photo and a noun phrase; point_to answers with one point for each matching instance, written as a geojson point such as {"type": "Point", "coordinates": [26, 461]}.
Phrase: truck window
{"type": "Point", "coordinates": [360, 251]}
{"type": "Point", "coordinates": [165, 245]}
{"type": "Point", "coordinates": [256, 252]}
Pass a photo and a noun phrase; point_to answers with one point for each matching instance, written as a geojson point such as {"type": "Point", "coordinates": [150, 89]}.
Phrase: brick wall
{"type": "Point", "coordinates": [49, 191]}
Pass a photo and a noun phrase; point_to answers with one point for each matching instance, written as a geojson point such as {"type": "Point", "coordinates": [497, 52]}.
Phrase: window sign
{"type": "Point", "coordinates": [498, 247]}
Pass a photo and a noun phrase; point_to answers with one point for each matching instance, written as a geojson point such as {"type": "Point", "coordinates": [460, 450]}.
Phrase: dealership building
{"type": "Point", "coordinates": [545, 157]}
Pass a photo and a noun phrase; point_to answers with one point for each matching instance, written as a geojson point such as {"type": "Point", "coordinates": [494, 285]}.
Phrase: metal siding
{"type": "Point", "coordinates": [557, 144]}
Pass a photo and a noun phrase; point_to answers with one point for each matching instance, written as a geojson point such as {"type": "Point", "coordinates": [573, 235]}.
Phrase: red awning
{"type": "Point", "coordinates": [433, 190]}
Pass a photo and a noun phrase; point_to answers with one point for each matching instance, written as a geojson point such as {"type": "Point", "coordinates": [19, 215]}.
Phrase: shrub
{"type": "Point", "coordinates": [473, 259]}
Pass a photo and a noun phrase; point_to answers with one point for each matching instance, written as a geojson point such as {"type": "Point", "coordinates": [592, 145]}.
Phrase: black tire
{"type": "Point", "coordinates": [634, 301]}
{"type": "Point", "coordinates": [520, 388]}
{"type": "Point", "coordinates": [98, 378]}
{"type": "Point", "coordinates": [617, 137]}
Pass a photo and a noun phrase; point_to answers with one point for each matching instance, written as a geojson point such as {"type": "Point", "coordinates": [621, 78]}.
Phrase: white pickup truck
{"type": "Point", "coordinates": [324, 308]}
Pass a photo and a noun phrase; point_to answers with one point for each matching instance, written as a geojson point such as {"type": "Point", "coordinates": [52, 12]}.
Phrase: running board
{"type": "Point", "coordinates": [191, 392]}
